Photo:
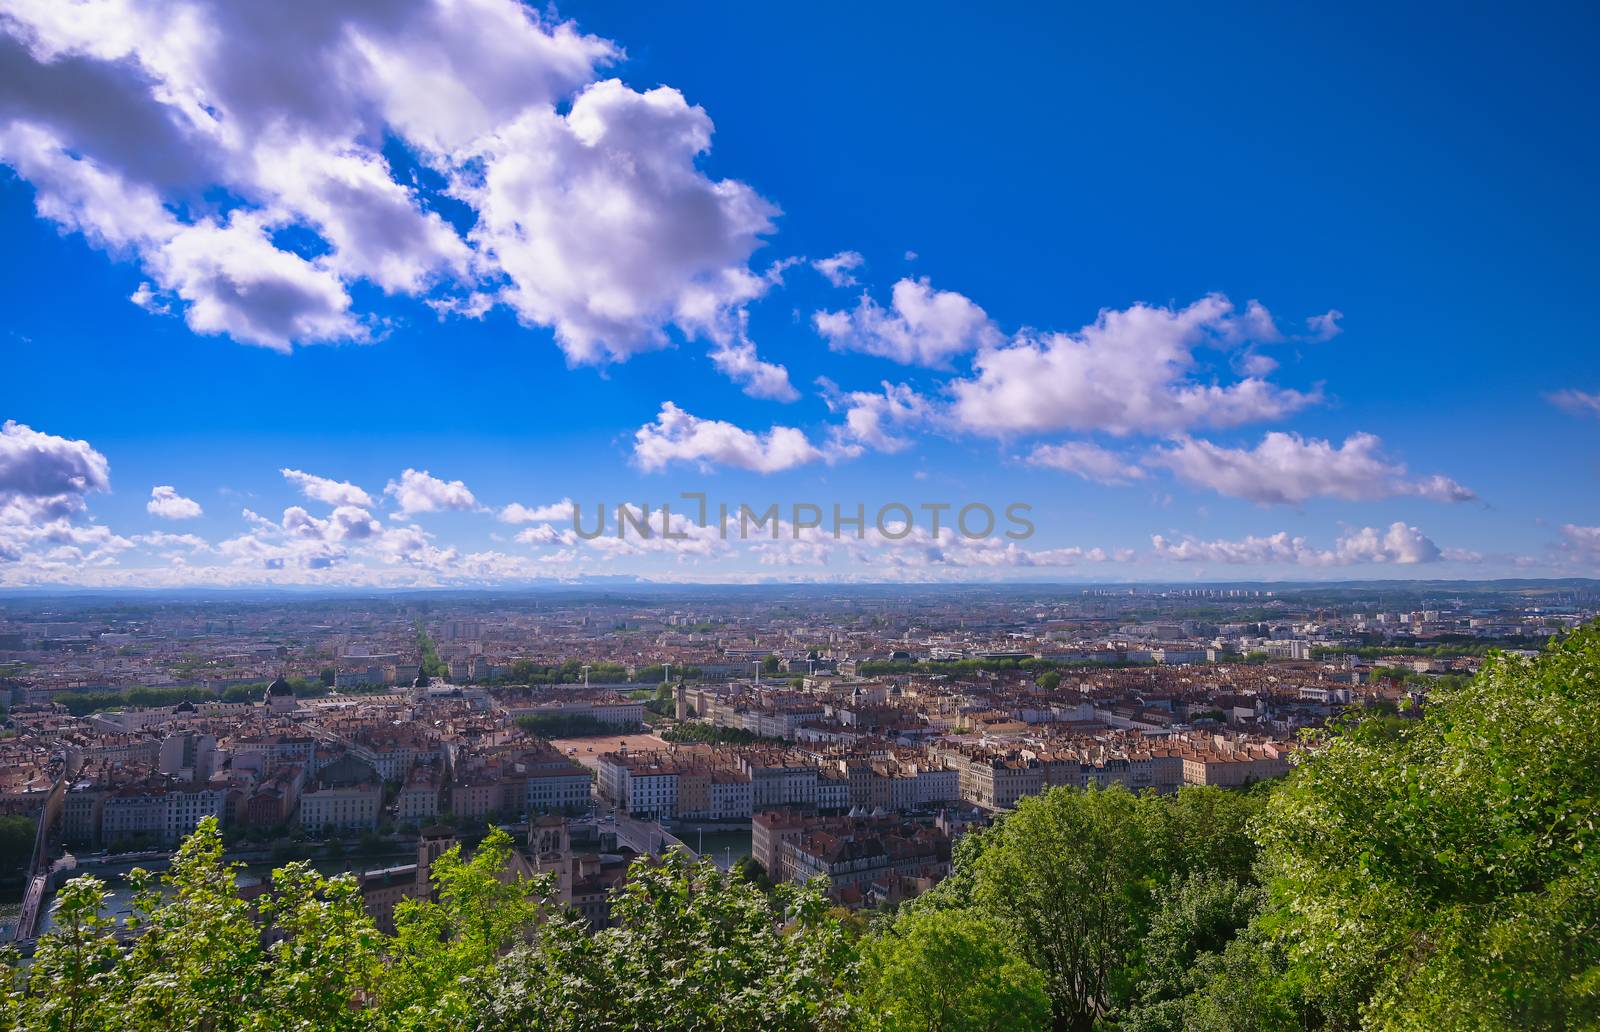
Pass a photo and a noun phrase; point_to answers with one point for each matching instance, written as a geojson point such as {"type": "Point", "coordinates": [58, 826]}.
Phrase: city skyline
{"type": "Point", "coordinates": [1276, 297]}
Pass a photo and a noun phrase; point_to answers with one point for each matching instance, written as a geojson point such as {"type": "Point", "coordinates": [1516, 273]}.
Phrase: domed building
{"type": "Point", "coordinates": [280, 696]}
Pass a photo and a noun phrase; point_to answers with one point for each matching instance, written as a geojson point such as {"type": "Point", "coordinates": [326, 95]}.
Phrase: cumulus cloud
{"type": "Point", "coordinates": [322, 489]}
{"type": "Point", "coordinates": [875, 419]}
{"type": "Point", "coordinates": [1398, 543]}
{"type": "Point", "coordinates": [736, 359]}
{"type": "Point", "coordinates": [606, 228]}
{"type": "Point", "coordinates": [839, 269]}
{"type": "Point", "coordinates": [43, 482]}
{"type": "Point", "coordinates": [1087, 460]}
{"type": "Point", "coordinates": [420, 491]}
{"type": "Point", "coordinates": [1130, 371]}
{"type": "Point", "coordinates": [1576, 402]}
{"type": "Point", "coordinates": [245, 160]}
{"type": "Point", "coordinates": [167, 503]}
{"type": "Point", "coordinates": [1287, 469]}
{"type": "Point", "coordinates": [922, 326]}
{"type": "Point", "coordinates": [678, 436]}
{"type": "Point", "coordinates": [44, 468]}
{"type": "Point", "coordinates": [516, 512]}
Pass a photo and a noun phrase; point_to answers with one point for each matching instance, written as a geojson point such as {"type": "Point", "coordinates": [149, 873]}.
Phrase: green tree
{"type": "Point", "coordinates": [690, 948]}
{"type": "Point", "coordinates": [1197, 917]}
{"type": "Point", "coordinates": [1070, 875]}
{"type": "Point", "coordinates": [952, 970]}
{"type": "Point", "coordinates": [1077, 877]}
{"type": "Point", "coordinates": [74, 982]}
{"type": "Point", "coordinates": [1050, 680]}
{"type": "Point", "coordinates": [329, 953]}
{"type": "Point", "coordinates": [443, 949]}
{"type": "Point", "coordinates": [1446, 873]}
{"type": "Point", "coordinates": [753, 871]}
{"type": "Point", "coordinates": [16, 844]}
{"type": "Point", "coordinates": [199, 950]}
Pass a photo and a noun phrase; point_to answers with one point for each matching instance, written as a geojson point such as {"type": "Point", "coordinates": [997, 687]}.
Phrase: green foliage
{"type": "Point", "coordinates": [1077, 878]}
{"type": "Point", "coordinates": [693, 731]}
{"type": "Point", "coordinates": [1196, 919]}
{"type": "Point", "coordinates": [753, 871]}
{"type": "Point", "coordinates": [429, 663]}
{"type": "Point", "coordinates": [951, 970]}
{"type": "Point", "coordinates": [567, 725]}
{"type": "Point", "coordinates": [443, 951]}
{"type": "Point", "coordinates": [16, 844]}
{"type": "Point", "coordinates": [879, 667]}
{"type": "Point", "coordinates": [691, 948]}
{"type": "Point", "coordinates": [74, 978]}
{"type": "Point", "coordinates": [81, 703]}
{"type": "Point", "coordinates": [1447, 874]}
{"type": "Point", "coordinates": [525, 671]}
{"type": "Point", "coordinates": [1050, 680]}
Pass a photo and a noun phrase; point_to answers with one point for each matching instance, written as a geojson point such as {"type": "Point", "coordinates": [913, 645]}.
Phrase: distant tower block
{"type": "Point", "coordinates": [681, 702]}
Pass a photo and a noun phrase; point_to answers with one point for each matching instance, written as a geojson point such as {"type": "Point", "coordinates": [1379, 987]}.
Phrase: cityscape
{"type": "Point", "coordinates": [747, 517]}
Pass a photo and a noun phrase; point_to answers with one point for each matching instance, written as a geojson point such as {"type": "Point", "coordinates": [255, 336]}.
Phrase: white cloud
{"type": "Point", "coordinates": [239, 157]}
{"type": "Point", "coordinates": [419, 491]}
{"type": "Point", "coordinates": [322, 489]}
{"type": "Point", "coordinates": [923, 326]}
{"type": "Point", "coordinates": [161, 539]}
{"type": "Point", "coordinates": [1087, 460]}
{"type": "Point", "coordinates": [516, 512]}
{"type": "Point", "coordinates": [43, 482]}
{"type": "Point", "coordinates": [167, 503]}
{"type": "Point", "coordinates": [1286, 469]}
{"type": "Point", "coordinates": [545, 534]}
{"type": "Point", "coordinates": [50, 470]}
{"type": "Point", "coordinates": [839, 269]}
{"type": "Point", "coordinates": [607, 229]}
{"type": "Point", "coordinates": [677, 436]}
{"type": "Point", "coordinates": [1399, 543]}
{"type": "Point", "coordinates": [1581, 543]}
{"type": "Point", "coordinates": [874, 419]}
{"type": "Point", "coordinates": [1576, 402]}
{"type": "Point", "coordinates": [737, 360]}
{"type": "Point", "coordinates": [1325, 326]}
{"type": "Point", "coordinates": [1130, 371]}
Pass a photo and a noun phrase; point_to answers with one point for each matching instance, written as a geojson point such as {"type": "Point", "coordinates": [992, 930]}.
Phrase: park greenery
{"type": "Point", "coordinates": [429, 664]}
{"type": "Point", "coordinates": [567, 725]}
{"type": "Point", "coordinates": [1440, 873]}
{"type": "Point", "coordinates": [694, 732]}
{"type": "Point", "coordinates": [81, 703]}
{"type": "Point", "coordinates": [885, 667]}
{"type": "Point", "coordinates": [572, 671]}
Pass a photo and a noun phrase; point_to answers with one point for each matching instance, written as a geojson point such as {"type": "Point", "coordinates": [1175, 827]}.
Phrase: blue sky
{"type": "Point", "coordinates": [474, 255]}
